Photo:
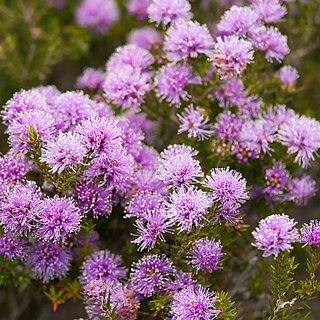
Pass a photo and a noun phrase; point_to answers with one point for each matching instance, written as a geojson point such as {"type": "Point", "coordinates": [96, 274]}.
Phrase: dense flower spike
{"type": "Point", "coordinates": [310, 233]}
{"type": "Point", "coordinates": [274, 234]}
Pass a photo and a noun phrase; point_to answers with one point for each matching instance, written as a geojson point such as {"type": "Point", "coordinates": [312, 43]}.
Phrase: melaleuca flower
{"type": "Point", "coordinates": [91, 197]}
{"type": "Point", "coordinates": [279, 115]}
{"type": "Point", "coordinates": [238, 21]}
{"type": "Point", "coordinates": [177, 167]}
{"type": "Point", "coordinates": [288, 76]}
{"type": "Point", "coordinates": [271, 41]}
{"type": "Point", "coordinates": [169, 11]}
{"type": "Point", "coordinates": [227, 187]}
{"type": "Point", "coordinates": [277, 179]}
{"type": "Point", "coordinates": [274, 234]}
{"type": "Point", "coordinates": [180, 282]}
{"type": "Point", "coordinates": [13, 167]}
{"type": "Point", "coordinates": [195, 123]}
{"type": "Point", "coordinates": [147, 38]}
{"type": "Point", "coordinates": [250, 106]}
{"type": "Point", "coordinates": [18, 207]}
{"type": "Point", "coordinates": [130, 55]}
{"type": "Point", "coordinates": [150, 275]}
{"type": "Point", "coordinates": [147, 180]}
{"type": "Point", "coordinates": [57, 219]}
{"type": "Point", "coordinates": [151, 229]}
{"type": "Point", "coordinates": [100, 135]}
{"type": "Point", "coordinates": [258, 135]}
{"type": "Point", "coordinates": [187, 207]}
{"type": "Point", "coordinates": [91, 79]}
{"type": "Point", "coordinates": [228, 126]}
{"type": "Point", "coordinates": [66, 152]}
{"type": "Point", "coordinates": [232, 55]}
{"type": "Point", "coordinates": [205, 255]}
{"type": "Point", "coordinates": [301, 136]}
{"type": "Point", "coordinates": [128, 88]}
{"type": "Point", "coordinates": [12, 248]}
{"type": "Point", "coordinates": [138, 8]}
{"type": "Point", "coordinates": [50, 93]}
{"type": "Point", "coordinates": [102, 265]}
{"type": "Point", "coordinates": [178, 150]}
{"type": "Point", "coordinates": [98, 15]}
{"type": "Point", "coordinates": [231, 92]}
{"type": "Point", "coordinates": [193, 304]}
{"type": "Point", "coordinates": [310, 233]}
{"type": "Point", "coordinates": [269, 11]}
{"type": "Point", "coordinates": [171, 82]}
{"type": "Point", "coordinates": [300, 190]}
{"type": "Point", "coordinates": [146, 158]}
{"type": "Point", "coordinates": [187, 39]}
{"type": "Point", "coordinates": [46, 261]}
{"type": "Point", "coordinates": [28, 122]}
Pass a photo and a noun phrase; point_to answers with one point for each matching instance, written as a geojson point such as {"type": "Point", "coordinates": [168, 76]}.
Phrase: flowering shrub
{"type": "Point", "coordinates": [167, 184]}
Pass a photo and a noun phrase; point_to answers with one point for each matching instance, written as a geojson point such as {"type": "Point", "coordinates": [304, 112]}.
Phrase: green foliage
{"type": "Point", "coordinates": [226, 306]}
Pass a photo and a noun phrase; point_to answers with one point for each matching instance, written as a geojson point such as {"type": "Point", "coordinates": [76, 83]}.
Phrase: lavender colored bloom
{"type": "Point", "coordinates": [228, 126]}
{"type": "Point", "coordinates": [232, 55]}
{"type": "Point", "coordinates": [288, 76]}
{"type": "Point", "coordinates": [147, 38]}
{"type": "Point", "coordinates": [187, 207]}
{"type": "Point", "coordinates": [195, 123]}
{"type": "Point", "coordinates": [169, 11]}
{"type": "Point", "coordinates": [177, 167]}
{"type": "Point", "coordinates": [36, 121]}
{"type": "Point", "coordinates": [130, 55]}
{"type": "Point", "coordinates": [193, 304]}
{"type": "Point", "coordinates": [102, 265]}
{"type": "Point", "coordinates": [258, 135]}
{"type": "Point", "coordinates": [98, 15]}
{"type": "Point", "coordinates": [271, 41]}
{"type": "Point", "coordinates": [12, 248]}
{"type": "Point", "coordinates": [147, 180]}
{"type": "Point", "coordinates": [178, 150]}
{"type": "Point", "coordinates": [13, 167]}
{"type": "Point", "coordinates": [47, 261]}
{"type": "Point", "coordinates": [187, 39]}
{"type": "Point", "coordinates": [242, 153]}
{"type": "Point", "coordinates": [50, 93]}
{"type": "Point", "coordinates": [67, 152]}
{"type": "Point", "coordinates": [93, 198]}
{"type": "Point", "coordinates": [206, 254]}
{"type": "Point", "coordinates": [279, 115]}
{"type": "Point", "coordinates": [171, 81]}
{"type": "Point", "coordinates": [180, 282]}
{"type": "Point", "coordinates": [147, 158]}
{"type": "Point", "coordinates": [299, 190]}
{"type": "Point", "coordinates": [128, 88]}
{"type": "Point", "coordinates": [231, 92]}
{"type": "Point", "coordinates": [150, 275]}
{"type": "Point", "coordinates": [138, 8]}
{"type": "Point", "coordinates": [250, 106]}
{"type": "Point", "coordinates": [57, 220]}
{"type": "Point", "coordinates": [274, 234]}
{"type": "Point", "coordinates": [238, 21]}
{"type": "Point", "coordinates": [18, 207]}
{"type": "Point", "coordinates": [301, 136]}
{"type": "Point", "coordinates": [310, 233]}
{"type": "Point", "coordinates": [91, 79]}
{"type": "Point", "coordinates": [269, 11]}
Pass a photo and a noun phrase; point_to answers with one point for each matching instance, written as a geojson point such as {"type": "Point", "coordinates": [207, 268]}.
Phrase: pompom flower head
{"type": "Point", "coordinates": [138, 8]}
{"type": "Point", "coordinates": [288, 76]}
{"type": "Point", "coordinates": [301, 189]}
{"type": "Point", "coordinates": [12, 248]}
{"type": "Point", "coordinates": [269, 11]}
{"type": "Point", "coordinates": [310, 233]}
{"type": "Point", "coordinates": [91, 79]}
{"type": "Point", "coordinates": [146, 38]}
{"type": "Point", "coordinates": [274, 234]}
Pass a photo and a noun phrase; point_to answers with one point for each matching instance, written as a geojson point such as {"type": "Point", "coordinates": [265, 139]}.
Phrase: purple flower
{"type": "Point", "coordinates": [301, 136]}
{"type": "Point", "coordinates": [67, 152]}
{"type": "Point", "coordinates": [206, 255]}
{"type": "Point", "coordinates": [180, 282]}
{"type": "Point", "coordinates": [195, 123]}
{"type": "Point", "coordinates": [171, 81]}
{"type": "Point", "coordinates": [232, 55]}
{"type": "Point", "coordinates": [46, 261]}
{"type": "Point", "coordinates": [279, 115]}
{"type": "Point", "coordinates": [269, 11]}
{"type": "Point", "coordinates": [138, 8]}
{"type": "Point", "coordinates": [50, 93]}
{"type": "Point", "coordinates": [98, 15]}
{"type": "Point", "coordinates": [91, 79]}
{"type": "Point", "coordinates": [150, 274]}
{"type": "Point", "coordinates": [169, 11]}
{"type": "Point", "coordinates": [238, 21]}
{"type": "Point", "coordinates": [18, 207]}
{"type": "Point", "coordinates": [310, 233]}
{"type": "Point", "coordinates": [12, 248]}
{"type": "Point", "coordinates": [147, 38]}
{"type": "Point", "coordinates": [231, 92]}
{"type": "Point", "coordinates": [193, 304]}
{"type": "Point", "coordinates": [93, 198]}
{"type": "Point", "coordinates": [102, 265]}
{"type": "Point", "coordinates": [274, 234]}
{"type": "Point", "coordinates": [57, 219]}
{"type": "Point", "coordinates": [13, 167]}
{"type": "Point", "coordinates": [128, 88]}
{"type": "Point", "coordinates": [288, 76]}
{"type": "Point", "coordinates": [299, 190]}
{"type": "Point", "coordinates": [187, 39]}
{"type": "Point", "coordinates": [187, 207]}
